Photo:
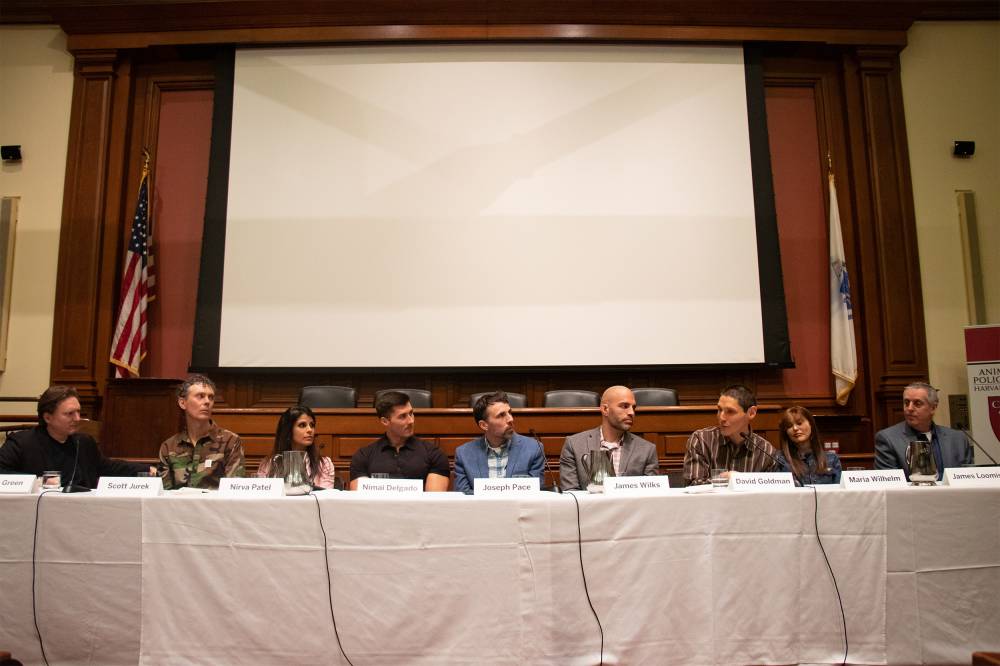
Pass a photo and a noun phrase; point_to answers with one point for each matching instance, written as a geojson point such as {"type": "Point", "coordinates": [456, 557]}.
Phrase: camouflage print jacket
{"type": "Point", "coordinates": [203, 463]}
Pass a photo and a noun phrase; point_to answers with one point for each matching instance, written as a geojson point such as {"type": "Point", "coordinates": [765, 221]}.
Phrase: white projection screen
{"type": "Point", "coordinates": [487, 206]}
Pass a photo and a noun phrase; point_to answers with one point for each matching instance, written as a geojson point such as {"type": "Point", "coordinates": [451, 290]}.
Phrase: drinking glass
{"type": "Point", "coordinates": [719, 478]}
{"type": "Point", "coordinates": [51, 480]}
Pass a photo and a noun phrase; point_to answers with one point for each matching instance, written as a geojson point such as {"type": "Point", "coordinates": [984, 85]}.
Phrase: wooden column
{"type": "Point", "coordinates": [892, 301]}
{"type": "Point", "coordinates": [91, 224]}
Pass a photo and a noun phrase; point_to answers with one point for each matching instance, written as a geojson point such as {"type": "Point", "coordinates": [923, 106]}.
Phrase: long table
{"type": "Point", "coordinates": [723, 578]}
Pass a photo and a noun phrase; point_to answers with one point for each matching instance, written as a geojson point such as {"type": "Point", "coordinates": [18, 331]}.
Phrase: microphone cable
{"type": "Point", "coordinates": [68, 488]}
{"type": "Point", "coordinates": [329, 582]}
{"type": "Point", "coordinates": [583, 572]}
{"type": "Point", "coordinates": [843, 617]}
{"type": "Point", "coordinates": [34, 557]}
{"type": "Point", "coordinates": [546, 466]}
{"type": "Point", "coordinates": [968, 435]}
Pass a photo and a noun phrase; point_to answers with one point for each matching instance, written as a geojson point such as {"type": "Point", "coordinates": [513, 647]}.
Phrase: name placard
{"type": "Point", "coordinates": [636, 485]}
{"type": "Point", "coordinates": [17, 484]}
{"type": "Point", "coordinates": [127, 486]}
{"type": "Point", "coordinates": [251, 487]}
{"type": "Point", "coordinates": [505, 487]}
{"type": "Point", "coordinates": [871, 479]}
{"type": "Point", "coordinates": [390, 487]}
{"type": "Point", "coordinates": [965, 477]}
{"type": "Point", "coordinates": [761, 481]}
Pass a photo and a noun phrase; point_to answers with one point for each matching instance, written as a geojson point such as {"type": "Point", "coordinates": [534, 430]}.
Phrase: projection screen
{"type": "Point", "coordinates": [484, 206]}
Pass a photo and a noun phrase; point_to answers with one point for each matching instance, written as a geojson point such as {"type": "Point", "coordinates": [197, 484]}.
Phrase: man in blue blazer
{"type": "Point", "coordinates": [500, 452]}
{"type": "Point", "coordinates": [951, 448]}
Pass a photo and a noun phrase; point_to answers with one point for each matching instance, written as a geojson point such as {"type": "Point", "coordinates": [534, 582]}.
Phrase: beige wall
{"type": "Point", "coordinates": [951, 90]}
{"type": "Point", "coordinates": [36, 76]}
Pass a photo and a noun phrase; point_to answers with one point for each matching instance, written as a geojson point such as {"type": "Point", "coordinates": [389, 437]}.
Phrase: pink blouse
{"type": "Point", "coordinates": [323, 478]}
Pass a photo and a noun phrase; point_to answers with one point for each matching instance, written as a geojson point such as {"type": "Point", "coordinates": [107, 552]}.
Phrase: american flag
{"type": "Point", "coordinates": [128, 347]}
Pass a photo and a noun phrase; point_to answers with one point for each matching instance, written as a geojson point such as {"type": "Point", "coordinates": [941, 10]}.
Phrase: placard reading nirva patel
{"type": "Point", "coordinates": [242, 487]}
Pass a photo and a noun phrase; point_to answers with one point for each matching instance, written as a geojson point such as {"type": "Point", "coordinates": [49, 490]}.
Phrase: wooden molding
{"type": "Point", "coordinates": [93, 167]}
{"type": "Point", "coordinates": [480, 33]}
{"type": "Point", "coordinates": [893, 316]}
{"type": "Point", "coordinates": [93, 16]}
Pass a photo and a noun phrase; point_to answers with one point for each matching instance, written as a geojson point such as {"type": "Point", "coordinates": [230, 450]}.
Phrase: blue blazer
{"type": "Point", "coordinates": [525, 457]}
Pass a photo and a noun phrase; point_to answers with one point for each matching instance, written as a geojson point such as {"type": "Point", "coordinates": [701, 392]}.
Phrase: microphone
{"type": "Point", "coordinates": [555, 487]}
{"type": "Point", "coordinates": [979, 446]}
{"type": "Point", "coordinates": [754, 445]}
{"type": "Point", "coordinates": [69, 487]}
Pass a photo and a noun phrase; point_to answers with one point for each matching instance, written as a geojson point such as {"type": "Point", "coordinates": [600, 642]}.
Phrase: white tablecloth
{"type": "Point", "coordinates": [719, 578]}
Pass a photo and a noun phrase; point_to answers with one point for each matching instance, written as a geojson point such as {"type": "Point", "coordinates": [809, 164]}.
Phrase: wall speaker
{"type": "Point", "coordinates": [10, 153]}
{"type": "Point", "coordinates": [964, 149]}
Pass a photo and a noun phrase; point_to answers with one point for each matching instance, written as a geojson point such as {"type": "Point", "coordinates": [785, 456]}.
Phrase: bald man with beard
{"type": "Point", "coordinates": [631, 455]}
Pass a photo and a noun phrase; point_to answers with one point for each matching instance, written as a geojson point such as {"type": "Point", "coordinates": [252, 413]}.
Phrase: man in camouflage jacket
{"type": "Point", "coordinates": [202, 453]}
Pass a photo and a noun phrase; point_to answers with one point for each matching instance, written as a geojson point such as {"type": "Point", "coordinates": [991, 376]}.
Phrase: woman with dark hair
{"type": "Point", "coordinates": [802, 452]}
{"type": "Point", "coordinates": [297, 431]}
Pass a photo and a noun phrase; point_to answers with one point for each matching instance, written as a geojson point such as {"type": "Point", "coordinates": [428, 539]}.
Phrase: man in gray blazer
{"type": "Point", "coordinates": [951, 448]}
{"type": "Point", "coordinates": [630, 455]}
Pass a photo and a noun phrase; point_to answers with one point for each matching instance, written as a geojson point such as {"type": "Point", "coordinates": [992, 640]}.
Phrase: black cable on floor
{"type": "Point", "coordinates": [329, 582]}
{"type": "Point", "coordinates": [843, 617]}
{"type": "Point", "coordinates": [34, 552]}
{"type": "Point", "coordinates": [583, 572]}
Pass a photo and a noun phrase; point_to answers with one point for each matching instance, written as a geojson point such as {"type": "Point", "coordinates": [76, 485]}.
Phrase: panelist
{"type": "Point", "coordinates": [500, 452]}
{"type": "Point", "coordinates": [397, 453]}
{"type": "Point", "coordinates": [731, 445]}
{"type": "Point", "coordinates": [951, 448]}
{"type": "Point", "coordinates": [202, 453]}
{"type": "Point", "coordinates": [297, 432]}
{"type": "Point", "coordinates": [630, 454]}
{"type": "Point", "coordinates": [802, 451]}
{"type": "Point", "coordinates": [55, 444]}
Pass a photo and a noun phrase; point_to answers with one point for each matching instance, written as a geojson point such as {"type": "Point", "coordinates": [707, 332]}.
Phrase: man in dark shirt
{"type": "Point", "coordinates": [398, 453]}
{"type": "Point", "coordinates": [55, 444]}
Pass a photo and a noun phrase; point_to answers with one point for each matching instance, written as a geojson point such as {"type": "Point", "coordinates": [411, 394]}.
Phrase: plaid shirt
{"type": "Point", "coordinates": [496, 459]}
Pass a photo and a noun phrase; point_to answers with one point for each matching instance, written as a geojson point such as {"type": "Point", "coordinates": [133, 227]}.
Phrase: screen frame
{"type": "Point", "coordinates": [208, 319]}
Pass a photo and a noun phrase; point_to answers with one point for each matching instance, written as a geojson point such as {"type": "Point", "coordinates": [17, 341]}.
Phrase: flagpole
{"type": "Point", "coordinates": [129, 343]}
{"type": "Point", "coordinates": [843, 349]}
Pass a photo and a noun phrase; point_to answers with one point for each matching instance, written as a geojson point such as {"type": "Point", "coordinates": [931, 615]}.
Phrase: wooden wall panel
{"type": "Point", "coordinates": [138, 416]}
{"type": "Point", "coordinates": [895, 339]}
{"type": "Point", "coordinates": [93, 171]}
{"type": "Point", "coordinates": [858, 119]}
{"type": "Point", "coordinates": [179, 181]}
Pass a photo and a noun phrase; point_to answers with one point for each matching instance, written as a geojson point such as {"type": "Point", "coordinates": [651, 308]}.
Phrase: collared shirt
{"type": "Point", "coordinates": [415, 459]}
{"type": "Point", "coordinates": [614, 449]}
{"type": "Point", "coordinates": [496, 458]}
{"type": "Point", "coordinates": [201, 464]}
{"type": "Point", "coordinates": [709, 449]}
